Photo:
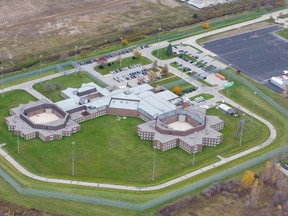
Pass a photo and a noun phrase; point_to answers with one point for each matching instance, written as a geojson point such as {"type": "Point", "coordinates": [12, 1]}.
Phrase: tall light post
{"type": "Point", "coordinates": [250, 54]}
{"type": "Point", "coordinates": [158, 54]}
{"type": "Point", "coordinates": [276, 67]}
{"type": "Point", "coordinates": [121, 38]}
{"type": "Point", "coordinates": [18, 144]}
{"type": "Point", "coordinates": [2, 82]}
{"type": "Point", "coordinates": [73, 143]}
{"type": "Point", "coordinates": [241, 130]}
{"type": "Point", "coordinates": [41, 60]}
{"type": "Point", "coordinates": [153, 173]}
{"type": "Point", "coordinates": [76, 48]}
{"type": "Point", "coordinates": [253, 106]}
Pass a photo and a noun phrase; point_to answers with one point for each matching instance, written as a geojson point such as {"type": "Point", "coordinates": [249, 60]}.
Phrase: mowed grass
{"type": "Point", "coordinates": [72, 81]}
{"type": "Point", "coordinates": [125, 62]}
{"type": "Point", "coordinates": [108, 150]}
{"type": "Point", "coordinates": [11, 99]}
{"type": "Point", "coordinates": [162, 54]}
{"type": "Point", "coordinates": [283, 33]}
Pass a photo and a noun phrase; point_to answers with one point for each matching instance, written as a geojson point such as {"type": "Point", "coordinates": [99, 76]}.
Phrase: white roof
{"type": "Point", "coordinates": [124, 104]}
{"type": "Point", "coordinates": [224, 107]}
{"type": "Point", "coordinates": [166, 95]}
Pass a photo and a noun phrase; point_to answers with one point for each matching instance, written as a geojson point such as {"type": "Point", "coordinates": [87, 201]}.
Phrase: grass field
{"type": "Point", "coordinates": [72, 81]}
{"type": "Point", "coordinates": [162, 54]}
{"type": "Point", "coordinates": [94, 145]}
{"type": "Point", "coordinates": [125, 62]}
{"type": "Point", "coordinates": [283, 33]}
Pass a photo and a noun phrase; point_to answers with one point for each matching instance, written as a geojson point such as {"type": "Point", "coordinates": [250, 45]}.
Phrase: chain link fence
{"type": "Point", "coordinates": [255, 89]}
{"type": "Point", "coordinates": [149, 204]}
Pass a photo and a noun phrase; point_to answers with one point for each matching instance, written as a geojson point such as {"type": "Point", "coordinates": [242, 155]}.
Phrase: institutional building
{"type": "Point", "coordinates": [167, 123]}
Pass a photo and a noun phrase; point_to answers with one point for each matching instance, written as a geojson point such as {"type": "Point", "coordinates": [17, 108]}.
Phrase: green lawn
{"type": "Point", "coordinates": [115, 154]}
{"type": "Point", "coordinates": [26, 79]}
{"type": "Point", "coordinates": [125, 62]}
{"type": "Point", "coordinates": [205, 96]}
{"type": "Point", "coordinates": [205, 83]}
{"type": "Point", "coordinates": [283, 33]}
{"type": "Point", "coordinates": [73, 80]}
{"type": "Point", "coordinates": [162, 54]}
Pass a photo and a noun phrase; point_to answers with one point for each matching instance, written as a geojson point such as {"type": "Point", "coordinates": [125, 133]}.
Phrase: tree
{"type": "Point", "coordinates": [177, 90]}
{"type": "Point", "coordinates": [102, 60]}
{"type": "Point", "coordinates": [169, 50]}
{"type": "Point", "coordinates": [165, 71]}
{"type": "Point", "coordinates": [118, 57]}
{"type": "Point", "coordinates": [140, 80]}
{"type": "Point", "coordinates": [152, 76]}
{"type": "Point", "coordinates": [154, 64]}
{"type": "Point", "coordinates": [195, 16]}
{"type": "Point", "coordinates": [124, 42]}
{"type": "Point", "coordinates": [137, 54]}
{"type": "Point", "coordinates": [254, 195]}
{"type": "Point", "coordinates": [248, 180]}
{"type": "Point", "coordinates": [205, 25]}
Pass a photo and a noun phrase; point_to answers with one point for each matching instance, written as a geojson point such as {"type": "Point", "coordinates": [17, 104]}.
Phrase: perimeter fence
{"type": "Point", "coordinates": [151, 203]}
{"type": "Point", "coordinates": [256, 90]}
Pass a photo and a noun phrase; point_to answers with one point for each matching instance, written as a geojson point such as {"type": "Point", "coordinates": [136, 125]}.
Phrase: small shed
{"type": "Point", "coordinates": [226, 109]}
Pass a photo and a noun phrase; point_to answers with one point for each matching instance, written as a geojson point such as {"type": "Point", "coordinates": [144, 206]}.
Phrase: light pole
{"type": "Point", "coordinates": [2, 82]}
{"type": "Point", "coordinates": [276, 67]}
{"type": "Point", "coordinates": [158, 54]}
{"type": "Point", "coordinates": [241, 132]}
{"type": "Point", "coordinates": [41, 59]}
{"type": "Point", "coordinates": [73, 143]}
{"type": "Point", "coordinates": [250, 54]}
{"type": "Point", "coordinates": [18, 144]}
{"type": "Point", "coordinates": [253, 106]}
{"type": "Point", "coordinates": [76, 48]}
{"type": "Point", "coordinates": [121, 38]}
{"type": "Point", "coordinates": [153, 173]}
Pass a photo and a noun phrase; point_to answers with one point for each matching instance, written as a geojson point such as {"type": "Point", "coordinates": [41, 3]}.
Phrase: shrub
{"type": "Point", "coordinates": [109, 64]}
{"type": "Point", "coordinates": [101, 66]}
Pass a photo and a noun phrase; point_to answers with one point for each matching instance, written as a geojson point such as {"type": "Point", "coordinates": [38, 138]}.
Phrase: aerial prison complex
{"type": "Point", "coordinates": [167, 124]}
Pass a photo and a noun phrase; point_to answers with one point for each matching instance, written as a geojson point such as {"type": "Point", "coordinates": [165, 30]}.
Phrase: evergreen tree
{"type": "Point", "coordinates": [169, 50]}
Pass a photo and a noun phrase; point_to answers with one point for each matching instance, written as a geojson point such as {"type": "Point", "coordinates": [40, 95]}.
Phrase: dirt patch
{"type": "Point", "coordinates": [7, 208]}
{"type": "Point", "coordinates": [241, 30]}
{"type": "Point", "coordinates": [35, 27]}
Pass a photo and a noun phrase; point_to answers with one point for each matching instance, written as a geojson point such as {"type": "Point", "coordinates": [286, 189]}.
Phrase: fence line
{"type": "Point", "coordinates": [255, 89]}
{"type": "Point", "coordinates": [145, 205]}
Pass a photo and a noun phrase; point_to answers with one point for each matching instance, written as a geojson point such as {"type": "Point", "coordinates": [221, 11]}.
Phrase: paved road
{"type": "Point", "coordinates": [201, 88]}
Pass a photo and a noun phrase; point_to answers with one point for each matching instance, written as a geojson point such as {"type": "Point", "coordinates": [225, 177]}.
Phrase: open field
{"type": "Point", "coordinates": [74, 81]}
{"type": "Point", "coordinates": [125, 62]}
{"type": "Point", "coordinates": [58, 26]}
{"type": "Point", "coordinates": [283, 33]}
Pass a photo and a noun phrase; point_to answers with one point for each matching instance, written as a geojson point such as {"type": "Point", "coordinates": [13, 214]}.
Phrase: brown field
{"type": "Point", "coordinates": [45, 27]}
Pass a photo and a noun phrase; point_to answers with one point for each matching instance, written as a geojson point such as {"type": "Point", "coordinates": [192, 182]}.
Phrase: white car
{"type": "Point", "coordinates": [285, 72]}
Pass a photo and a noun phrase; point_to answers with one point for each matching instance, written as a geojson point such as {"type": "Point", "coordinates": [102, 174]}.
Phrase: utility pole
{"type": "Point", "coordinates": [2, 82]}
{"type": "Point", "coordinates": [241, 131]}
{"type": "Point", "coordinates": [153, 173]}
{"type": "Point", "coordinates": [120, 56]}
{"type": "Point", "coordinates": [253, 106]}
{"type": "Point", "coordinates": [73, 158]}
{"type": "Point", "coordinates": [41, 59]}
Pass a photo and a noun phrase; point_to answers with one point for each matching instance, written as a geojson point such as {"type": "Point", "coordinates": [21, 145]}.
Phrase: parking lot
{"type": "Point", "coordinates": [258, 54]}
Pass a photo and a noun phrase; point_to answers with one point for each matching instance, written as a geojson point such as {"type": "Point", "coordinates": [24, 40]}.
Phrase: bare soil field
{"type": "Point", "coordinates": [10, 209]}
{"type": "Point", "coordinates": [45, 27]}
